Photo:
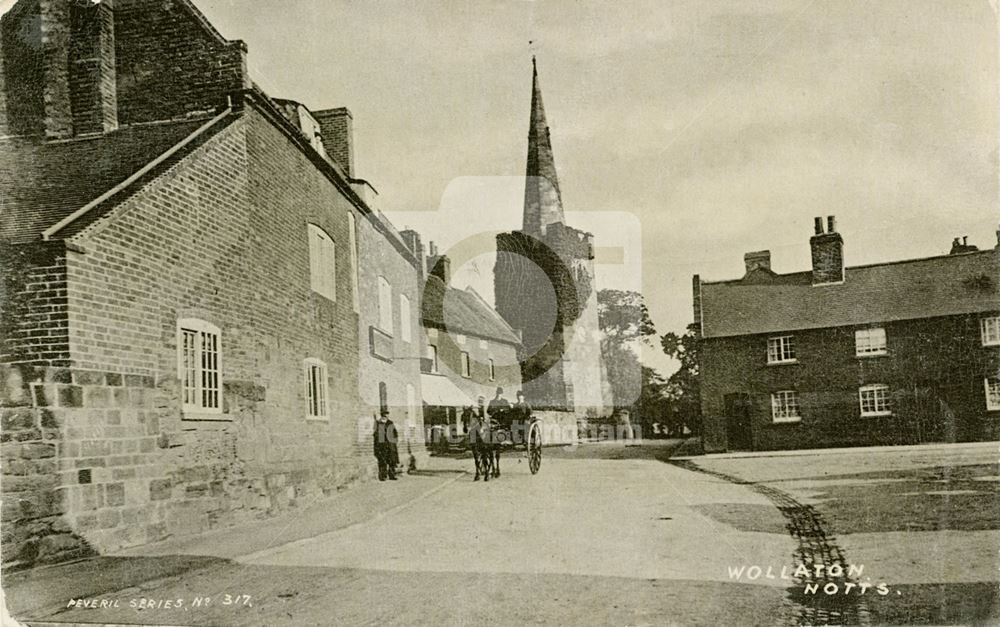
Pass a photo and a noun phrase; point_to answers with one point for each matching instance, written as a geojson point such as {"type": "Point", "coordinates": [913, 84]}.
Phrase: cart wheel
{"type": "Point", "coordinates": [534, 448]}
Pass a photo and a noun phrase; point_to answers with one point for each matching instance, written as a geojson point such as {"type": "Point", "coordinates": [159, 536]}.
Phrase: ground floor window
{"type": "Point", "coordinates": [316, 389]}
{"type": "Point", "coordinates": [199, 364]}
{"type": "Point", "coordinates": [874, 400]}
{"type": "Point", "coordinates": [785, 406]}
{"type": "Point", "coordinates": [466, 365]}
{"type": "Point", "coordinates": [993, 393]}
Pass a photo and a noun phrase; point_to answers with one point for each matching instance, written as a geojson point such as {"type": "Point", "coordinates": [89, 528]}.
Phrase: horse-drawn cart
{"type": "Point", "coordinates": [508, 429]}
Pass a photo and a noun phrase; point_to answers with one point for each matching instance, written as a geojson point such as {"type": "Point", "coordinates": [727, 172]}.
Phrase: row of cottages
{"type": "Point", "coordinates": [188, 337]}
{"type": "Point", "coordinates": [891, 353]}
{"type": "Point", "coordinates": [470, 351]}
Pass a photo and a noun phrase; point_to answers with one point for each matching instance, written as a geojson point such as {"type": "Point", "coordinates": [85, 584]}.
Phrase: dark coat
{"type": "Point", "coordinates": [385, 438]}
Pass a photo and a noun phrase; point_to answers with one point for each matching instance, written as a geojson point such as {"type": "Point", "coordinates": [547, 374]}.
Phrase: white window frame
{"type": "Point", "coordinates": [992, 397]}
{"type": "Point", "coordinates": [385, 305]}
{"type": "Point", "coordinates": [432, 354]}
{"type": "Point", "coordinates": [405, 322]}
{"type": "Point", "coordinates": [460, 338]}
{"type": "Point", "coordinates": [785, 406]}
{"type": "Point", "coordinates": [466, 365]}
{"type": "Point", "coordinates": [352, 240]}
{"type": "Point", "coordinates": [882, 401]}
{"type": "Point", "coordinates": [322, 263]}
{"type": "Point", "coordinates": [493, 370]}
{"type": "Point", "coordinates": [989, 330]}
{"type": "Point", "coordinates": [483, 344]}
{"type": "Point", "coordinates": [870, 342]}
{"type": "Point", "coordinates": [778, 347]}
{"type": "Point", "coordinates": [317, 389]}
{"type": "Point", "coordinates": [199, 371]}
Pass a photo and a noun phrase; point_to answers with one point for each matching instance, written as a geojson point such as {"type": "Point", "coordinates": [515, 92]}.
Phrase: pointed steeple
{"type": "Point", "coordinates": [542, 198]}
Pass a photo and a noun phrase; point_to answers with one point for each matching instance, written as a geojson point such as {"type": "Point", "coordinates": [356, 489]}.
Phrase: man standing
{"type": "Point", "coordinates": [385, 447]}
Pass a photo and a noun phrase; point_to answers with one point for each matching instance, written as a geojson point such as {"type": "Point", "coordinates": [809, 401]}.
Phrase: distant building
{"type": "Point", "coordinates": [890, 353]}
{"type": "Point", "coordinates": [186, 265]}
{"type": "Point", "coordinates": [545, 289]}
{"type": "Point", "coordinates": [470, 350]}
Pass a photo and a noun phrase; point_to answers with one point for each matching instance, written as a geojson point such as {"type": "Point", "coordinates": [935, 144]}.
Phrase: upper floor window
{"type": "Point", "coordinates": [352, 240]}
{"type": "Point", "coordinates": [989, 328]}
{"type": "Point", "coordinates": [316, 389]}
{"type": "Point", "coordinates": [780, 349]}
{"type": "Point", "coordinates": [466, 365]}
{"type": "Point", "coordinates": [869, 342]}
{"type": "Point", "coordinates": [322, 263]}
{"type": "Point", "coordinates": [404, 318]}
{"type": "Point", "coordinates": [785, 406]}
{"type": "Point", "coordinates": [384, 305]}
{"type": "Point", "coordinates": [493, 371]}
{"type": "Point", "coordinates": [460, 338]}
{"type": "Point", "coordinates": [432, 355]}
{"type": "Point", "coordinates": [483, 344]}
{"type": "Point", "coordinates": [199, 348]}
{"type": "Point", "coordinates": [993, 393]}
{"type": "Point", "coordinates": [874, 400]}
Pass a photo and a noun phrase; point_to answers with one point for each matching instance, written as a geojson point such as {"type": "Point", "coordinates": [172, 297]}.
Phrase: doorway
{"type": "Point", "coordinates": [738, 429]}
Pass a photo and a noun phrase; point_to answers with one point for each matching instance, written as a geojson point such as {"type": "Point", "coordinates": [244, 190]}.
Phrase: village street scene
{"type": "Point", "coordinates": [323, 313]}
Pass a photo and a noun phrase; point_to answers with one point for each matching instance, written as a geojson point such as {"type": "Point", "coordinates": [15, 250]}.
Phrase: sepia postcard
{"type": "Point", "coordinates": [558, 312]}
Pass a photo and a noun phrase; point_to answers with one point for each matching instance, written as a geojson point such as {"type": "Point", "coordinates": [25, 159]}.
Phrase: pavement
{"type": "Point", "coordinates": [604, 534]}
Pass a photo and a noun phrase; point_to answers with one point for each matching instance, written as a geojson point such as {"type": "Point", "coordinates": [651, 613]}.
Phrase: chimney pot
{"type": "Point", "coordinates": [831, 224]}
{"type": "Point", "coordinates": [818, 223]}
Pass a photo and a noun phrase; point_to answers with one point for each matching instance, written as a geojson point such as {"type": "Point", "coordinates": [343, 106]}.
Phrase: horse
{"type": "Point", "coordinates": [484, 440]}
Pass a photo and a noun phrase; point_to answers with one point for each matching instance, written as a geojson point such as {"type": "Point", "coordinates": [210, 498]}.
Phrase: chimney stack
{"type": "Point", "coordinates": [59, 74]}
{"type": "Point", "coordinates": [438, 265]}
{"type": "Point", "coordinates": [412, 239]}
{"type": "Point", "coordinates": [93, 82]}
{"type": "Point", "coordinates": [961, 245]}
{"type": "Point", "coordinates": [336, 129]}
{"type": "Point", "coordinates": [827, 253]}
{"type": "Point", "coordinates": [757, 260]}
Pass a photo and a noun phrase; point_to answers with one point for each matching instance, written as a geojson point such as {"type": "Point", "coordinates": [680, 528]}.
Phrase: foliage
{"type": "Point", "coordinates": [684, 385]}
{"type": "Point", "coordinates": [625, 323]}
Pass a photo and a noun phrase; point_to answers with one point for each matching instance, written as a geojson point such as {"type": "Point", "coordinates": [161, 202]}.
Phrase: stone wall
{"type": "Point", "coordinates": [935, 369]}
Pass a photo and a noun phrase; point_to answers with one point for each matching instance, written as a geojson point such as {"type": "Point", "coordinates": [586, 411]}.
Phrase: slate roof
{"type": "Point", "coordinates": [920, 288]}
{"type": "Point", "coordinates": [463, 311]}
{"type": "Point", "coordinates": [42, 183]}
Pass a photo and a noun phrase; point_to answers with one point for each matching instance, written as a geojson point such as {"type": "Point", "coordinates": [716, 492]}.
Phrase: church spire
{"type": "Point", "coordinates": [542, 199]}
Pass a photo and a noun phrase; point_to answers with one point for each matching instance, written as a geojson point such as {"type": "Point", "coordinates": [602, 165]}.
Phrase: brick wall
{"type": "Point", "coordinates": [382, 258]}
{"type": "Point", "coordinates": [935, 370]}
{"type": "Point", "coordinates": [171, 62]}
{"type": "Point", "coordinates": [34, 319]}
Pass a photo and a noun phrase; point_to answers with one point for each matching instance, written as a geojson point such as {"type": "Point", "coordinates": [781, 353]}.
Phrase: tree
{"type": "Point", "coordinates": [625, 326]}
{"type": "Point", "coordinates": [684, 385]}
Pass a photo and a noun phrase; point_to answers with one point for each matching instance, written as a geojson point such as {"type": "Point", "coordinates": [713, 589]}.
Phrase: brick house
{"type": "Point", "coordinates": [386, 292]}
{"type": "Point", "coordinates": [179, 330]}
{"type": "Point", "coordinates": [469, 350]}
{"type": "Point", "coordinates": [890, 353]}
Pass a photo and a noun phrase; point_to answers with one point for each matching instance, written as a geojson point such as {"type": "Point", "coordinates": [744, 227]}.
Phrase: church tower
{"type": "Point", "coordinates": [544, 288]}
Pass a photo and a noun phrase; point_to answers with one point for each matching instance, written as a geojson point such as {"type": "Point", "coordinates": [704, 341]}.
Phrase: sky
{"type": "Point", "coordinates": [686, 133]}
